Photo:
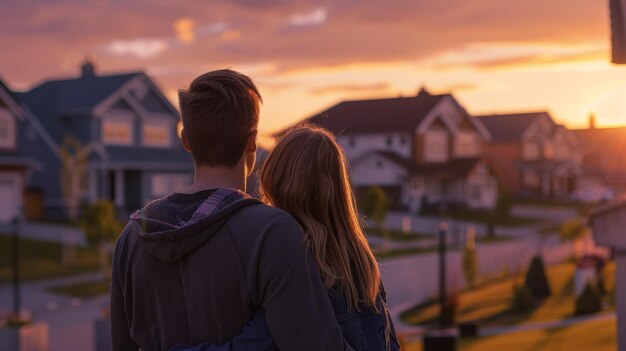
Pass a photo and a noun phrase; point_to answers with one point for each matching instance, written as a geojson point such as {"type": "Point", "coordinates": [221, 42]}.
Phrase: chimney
{"type": "Point", "coordinates": [88, 68]}
{"type": "Point", "coordinates": [592, 121]}
{"type": "Point", "coordinates": [423, 91]}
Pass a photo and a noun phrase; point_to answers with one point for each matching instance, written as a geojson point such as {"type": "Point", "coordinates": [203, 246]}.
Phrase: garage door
{"type": "Point", "coordinates": [9, 202]}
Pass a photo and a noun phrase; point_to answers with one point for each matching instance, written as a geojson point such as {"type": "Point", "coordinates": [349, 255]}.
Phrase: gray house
{"type": "Point", "coordinates": [116, 133]}
{"type": "Point", "coordinates": [18, 130]}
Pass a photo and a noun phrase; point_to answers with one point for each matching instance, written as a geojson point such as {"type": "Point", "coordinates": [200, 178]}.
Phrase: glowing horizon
{"type": "Point", "coordinates": [305, 56]}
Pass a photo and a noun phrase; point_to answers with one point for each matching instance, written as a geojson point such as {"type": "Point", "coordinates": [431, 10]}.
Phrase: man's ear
{"type": "Point", "coordinates": [251, 144]}
{"type": "Point", "coordinates": [183, 139]}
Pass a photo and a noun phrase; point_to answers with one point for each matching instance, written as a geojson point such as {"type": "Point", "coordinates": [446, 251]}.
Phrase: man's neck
{"type": "Point", "coordinates": [206, 177]}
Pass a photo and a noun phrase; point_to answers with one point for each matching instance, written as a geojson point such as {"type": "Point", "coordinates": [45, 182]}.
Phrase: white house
{"type": "Point", "coordinates": [420, 149]}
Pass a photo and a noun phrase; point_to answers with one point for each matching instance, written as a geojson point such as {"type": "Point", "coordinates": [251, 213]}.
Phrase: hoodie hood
{"type": "Point", "coordinates": [170, 242]}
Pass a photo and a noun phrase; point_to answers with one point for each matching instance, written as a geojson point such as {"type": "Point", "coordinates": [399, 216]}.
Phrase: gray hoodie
{"type": "Point", "coordinates": [179, 279]}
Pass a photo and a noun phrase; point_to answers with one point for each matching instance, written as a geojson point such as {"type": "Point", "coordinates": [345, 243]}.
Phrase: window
{"type": "Point", "coordinates": [117, 132]}
{"type": "Point", "coordinates": [7, 129]}
{"type": "Point", "coordinates": [156, 135]}
{"type": "Point", "coordinates": [475, 191]}
{"type": "Point", "coordinates": [389, 140]}
{"type": "Point", "coordinates": [402, 140]}
{"type": "Point", "coordinates": [548, 150]}
{"type": "Point", "coordinates": [530, 151]}
{"type": "Point", "coordinates": [165, 184]}
{"type": "Point", "coordinates": [467, 145]}
{"type": "Point", "coordinates": [379, 164]}
{"type": "Point", "coordinates": [436, 146]}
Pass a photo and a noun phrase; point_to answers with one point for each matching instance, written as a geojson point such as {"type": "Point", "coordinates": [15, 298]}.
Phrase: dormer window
{"type": "Point", "coordinates": [156, 134]}
{"type": "Point", "coordinates": [117, 132]}
{"type": "Point", "coordinates": [7, 129]}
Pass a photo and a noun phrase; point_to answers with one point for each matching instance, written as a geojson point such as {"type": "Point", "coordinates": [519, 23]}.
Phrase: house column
{"type": "Point", "coordinates": [119, 188]}
{"type": "Point", "coordinates": [93, 185]}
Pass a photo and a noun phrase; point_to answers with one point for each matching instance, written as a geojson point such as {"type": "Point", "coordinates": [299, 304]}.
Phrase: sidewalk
{"type": "Point", "coordinates": [70, 320]}
{"type": "Point", "coordinates": [414, 333]}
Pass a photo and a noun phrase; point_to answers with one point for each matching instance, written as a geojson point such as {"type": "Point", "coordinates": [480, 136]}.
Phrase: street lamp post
{"type": "Point", "coordinates": [443, 228]}
{"type": "Point", "coordinates": [16, 269]}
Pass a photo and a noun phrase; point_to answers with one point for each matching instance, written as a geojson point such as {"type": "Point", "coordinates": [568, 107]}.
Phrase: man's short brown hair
{"type": "Point", "coordinates": [219, 110]}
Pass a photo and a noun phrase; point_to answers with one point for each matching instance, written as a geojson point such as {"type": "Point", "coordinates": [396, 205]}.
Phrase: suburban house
{"type": "Point", "coordinates": [422, 150]}
{"type": "Point", "coordinates": [116, 137]}
{"type": "Point", "coordinates": [537, 156]}
{"type": "Point", "coordinates": [604, 157]}
{"type": "Point", "coordinates": [20, 132]}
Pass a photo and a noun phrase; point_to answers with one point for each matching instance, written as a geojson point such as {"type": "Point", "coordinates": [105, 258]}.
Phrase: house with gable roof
{"type": "Point", "coordinates": [127, 127]}
{"type": "Point", "coordinates": [604, 157]}
{"type": "Point", "coordinates": [424, 149]}
{"type": "Point", "coordinates": [537, 156]}
{"type": "Point", "coordinates": [20, 132]}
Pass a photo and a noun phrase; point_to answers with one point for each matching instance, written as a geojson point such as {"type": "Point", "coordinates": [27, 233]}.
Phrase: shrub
{"type": "Point", "coordinates": [470, 264]}
{"type": "Point", "coordinates": [589, 301]}
{"type": "Point", "coordinates": [537, 280]}
{"type": "Point", "coordinates": [375, 204]}
{"type": "Point", "coordinates": [451, 310]}
{"type": "Point", "coordinates": [522, 300]}
{"type": "Point", "coordinates": [573, 230]}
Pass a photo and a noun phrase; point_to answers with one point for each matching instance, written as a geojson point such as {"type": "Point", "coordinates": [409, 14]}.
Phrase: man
{"type": "Point", "coordinates": [195, 266]}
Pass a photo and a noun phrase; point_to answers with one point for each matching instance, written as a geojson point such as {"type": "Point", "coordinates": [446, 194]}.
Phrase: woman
{"type": "Point", "coordinates": [306, 175]}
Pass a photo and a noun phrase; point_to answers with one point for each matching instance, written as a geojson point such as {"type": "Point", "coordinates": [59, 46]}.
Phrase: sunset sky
{"type": "Point", "coordinates": [493, 55]}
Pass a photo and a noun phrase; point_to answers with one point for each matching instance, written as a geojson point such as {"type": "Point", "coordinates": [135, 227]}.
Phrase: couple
{"type": "Point", "coordinates": [210, 268]}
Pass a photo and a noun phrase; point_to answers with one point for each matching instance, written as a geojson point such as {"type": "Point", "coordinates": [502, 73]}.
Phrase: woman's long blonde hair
{"type": "Point", "coordinates": [306, 175]}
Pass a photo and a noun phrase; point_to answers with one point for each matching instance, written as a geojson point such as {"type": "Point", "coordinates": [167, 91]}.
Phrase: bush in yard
{"type": "Point", "coordinates": [589, 301]}
{"type": "Point", "coordinates": [374, 205]}
{"type": "Point", "coordinates": [470, 263]}
{"type": "Point", "coordinates": [450, 310]}
{"type": "Point", "coordinates": [537, 280]}
{"type": "Point", "coordinates": [522, 300]}
{"type": "Point", "coordinates": [101, 227]}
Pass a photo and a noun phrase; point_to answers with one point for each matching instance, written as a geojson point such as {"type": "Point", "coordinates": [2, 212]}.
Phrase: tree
{"type": "Point", "coordinates": [374, 204]}
{"type": "Point", "coordinates": [470, 260]}
{"type": "Point", "coordinates": [589, 301]}
{"type": "Point", "coordinates": [522, 300]}
{"type": "Point", "coordinates": [470, 265]}
{"type": "Point", "coordinates": [101, 227]}
{"type": "Point", "coordinates": [74, 166]}
{"type": "Point", "coordinates": [502, 209]}
{"type": "Point", "coordinates": [537, 280]}
{"type": "Point", "coordinates": [503, 203]}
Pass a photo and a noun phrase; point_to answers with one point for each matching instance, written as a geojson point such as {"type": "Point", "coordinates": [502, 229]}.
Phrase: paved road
{"type": "Point", "coordinates": [70, 321]}
{"type": "Point", "coordinates": [47, 232]}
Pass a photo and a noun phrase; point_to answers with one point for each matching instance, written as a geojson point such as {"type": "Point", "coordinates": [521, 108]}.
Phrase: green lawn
{"type": "Point", "coordinates": [40, 259]}
{"type": "Point", "coordinates": [487, 217]}
{"type": "Point", "coordinates": [83, 290]}
{"type": "Point", "coordinates": [398, 235]}
{"type": "Point", "coordinates": [583, 208]}
{"type": "Point", "coordinates": [423, 250]}
{"type": "Point", "coordinates": [596, 336]}
{"type": "Point", "coordinates": [489, 303]}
